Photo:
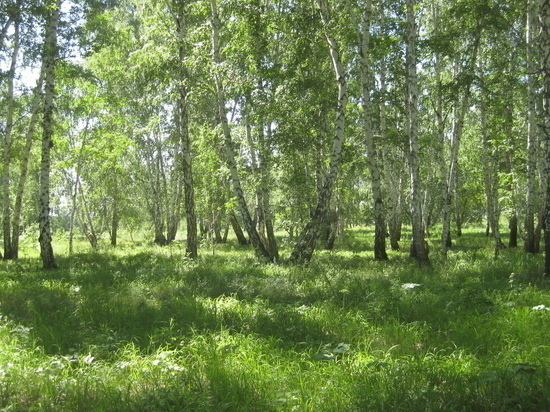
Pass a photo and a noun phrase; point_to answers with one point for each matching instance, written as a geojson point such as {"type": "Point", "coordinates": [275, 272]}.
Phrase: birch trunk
{"type": "Point", "coordinates": [237, 229]}
{"type": "Point", "coordinates": [192, 242]}
{"type": "Point", "coordinates": [544, 45]}
{"type": "Point", "coordinates": [451, 180]}
{"type": "Point", "coordinates": [394, 183]}
{"type": "Point", "coordinates": [6, 198]}
{"type": "Point", "coordinates": [255, 240]}
{"type": "Point", "coordinates": [440, 126]}
{"type": "Point", "coordinates": [29, 137]}
{"type": "Point", "coordinates": [532, 129]}
{"type": "Point", "coordinates": [263, 129]}
{"type": "Point", "coordinates": [114, 212]}
{"type": "Point", "coordinates": [490, 178]}
{"type": "Point", "coordinates": [419, 243]}
{"type": "Point", "coordinates": [264, 157]}
{"type": "Point", "coordinates": [49, 56]}
{"type": "Point", "coordinates": [376, 185]}
{"type": "Point", "coordinates": [74, 196]}
{"type": "Point", "coordinates": [305, 246]}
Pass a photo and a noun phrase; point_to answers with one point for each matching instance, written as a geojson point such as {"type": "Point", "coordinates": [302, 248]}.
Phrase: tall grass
{"type": "Point", "coordinates": [142, 328]}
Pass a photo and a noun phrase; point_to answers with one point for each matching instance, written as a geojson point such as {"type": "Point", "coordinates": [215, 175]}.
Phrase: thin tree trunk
{"type": "Point", "coordinates": [419, 243]}
{"type": "Point", "coordinates": [114, 213]}
{"type": "Point", "coordinates": [376, 184]}
{"type": "Point", "coordinates": [509, 153]}
{"type": "Point", "coordinates": [265, 217]}
{"type": "Point", "coordinates": [393, 187]}
{"type": "Point", "coordinates": [85, 220]}
{"type": "Point", "coordinates": [544, 45]}
{"type": "Point", "coordinates": [255, 240]}
{"type": "Point", "coordinates": [49, 56]}
{"type": "Point", "coordinates": [490, 178]}
{"type": "Point", "coordinates": [264, 157]}
{"type": "Point", "coordinates": [532, 131]}
{"type": "Point", "coordinates": [74, 196]}
{"type": "Point", "coordinates": [304, 248]}
{"type": "Point", "coordinates": [446, 241]}
{"type": "Point", "coordinates": [29, 138]}
{"type": "Point", "coordinates": [9, 252]}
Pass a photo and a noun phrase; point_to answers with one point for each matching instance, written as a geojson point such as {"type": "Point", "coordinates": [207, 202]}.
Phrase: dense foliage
{"type": "Point", "coordinates": [155, 104]}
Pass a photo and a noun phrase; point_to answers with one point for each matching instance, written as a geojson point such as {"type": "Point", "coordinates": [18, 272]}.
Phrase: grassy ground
{"type": "Point", "coordinates": [141, 328]}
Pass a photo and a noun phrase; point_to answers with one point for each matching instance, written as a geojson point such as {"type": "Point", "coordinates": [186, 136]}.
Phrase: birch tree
{"type": "Point", "coordinates": [532, 129]}
{"type": "Point", "coordinates": [418, 247]}
{"type": "Point", "coordinates": [182, 130]}
{"type": "Point", "coordinates": [305, 246]}
{"type": "Point", "coordinates": [259, 247]}
{"type": "Point", "coordinates": [50, 53]}
{"type": "Point", "coordinates": [544, 48]}
{"type": "Point", "coordinates": [9, 252]}
{"type": "Point", "coordinates": [376, 181]}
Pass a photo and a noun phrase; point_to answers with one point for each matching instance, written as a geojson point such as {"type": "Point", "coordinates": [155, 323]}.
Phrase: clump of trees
{"type": "Point", "coordinates": [274, 115]}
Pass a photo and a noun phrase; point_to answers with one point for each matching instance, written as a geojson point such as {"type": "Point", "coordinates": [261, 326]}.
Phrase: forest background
{"type": "Point", "coordinates": [175, 138]}
{"type": "Point", "coordinates": [306, 117]}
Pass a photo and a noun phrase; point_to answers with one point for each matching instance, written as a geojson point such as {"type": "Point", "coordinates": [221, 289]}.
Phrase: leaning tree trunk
{"type": "Point", "coordinates": [532, 129]}
{"type": "Point", "coordinates": [304, 248]}
{"type": "Point", "coordinates": [376, 184]}
{"type": "Point", "coordinates": [49, 56]}
{"type": "Point", "coordinates": [24, 167]}
{"type": "Point", "coordinates": [9, 252]}
{"type": "Point", "coordinates": [264, 154]}
{"type": "Point", "coordinates": [544, 44]}
{"type": "Point", "coordinates": [419, 243]}
{"type": "Point", "coordinates": [255, 240]}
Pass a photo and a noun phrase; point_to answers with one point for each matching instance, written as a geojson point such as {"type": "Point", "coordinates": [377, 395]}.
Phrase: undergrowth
{"type": "Point", "coordinates": [142, 328]}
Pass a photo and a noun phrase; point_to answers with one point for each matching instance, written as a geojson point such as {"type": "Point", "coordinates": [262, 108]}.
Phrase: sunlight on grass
{"type": "Point", "coordinates": [144, 328]}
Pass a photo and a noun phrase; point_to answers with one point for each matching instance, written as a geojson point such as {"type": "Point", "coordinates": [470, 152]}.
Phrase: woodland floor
{"type": "Point", "coordinates": [141, 328]}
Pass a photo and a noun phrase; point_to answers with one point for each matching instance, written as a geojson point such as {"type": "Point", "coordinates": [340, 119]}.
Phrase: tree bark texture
{"type": "Point", "coordinates": [305, 246]}
{"type": "Point", "coordinates": [532, 131]}
{"type": "Point", "coordinates": [490, 180]}
{"type": "Point", "coordinates": [419, 242]}
{"type": "Point", "coordinates": [544, 47]}
{"type": "Point", "coordinates": [49, 56]}
{"type": "Point", "coordinates": [393, 181]}
{"type": "Point", "coordinates": [9, 252]}
{"type": "Point", "coordinates": [376, 181]}
{"type": "Point", "coordinates": [24, 167]}
{"type": "Point", "coordinates": [255, 240]}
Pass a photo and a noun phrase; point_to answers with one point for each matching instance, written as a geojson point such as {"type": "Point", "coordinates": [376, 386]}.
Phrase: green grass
{"type": "Point", "coordinates": [141, 328]}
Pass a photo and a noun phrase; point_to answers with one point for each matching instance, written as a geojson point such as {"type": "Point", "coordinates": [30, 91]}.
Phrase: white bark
{"type": "Point", "coordinates": [376, 184]}
{"type": "Point", "coordinates": [544, 48]}
{"type": "Point", "coordinates": [532, 131]}
{"type": "Point", "coordinates": [304, 248]}
{"type": "Point", "coordinates": [255, 240]}
{"type": "Point", "coordinates": [419, 243]}
{"type": "Point", "coordinates": [6, 198]}
{"type": "Point", "coordinates": [24, 167]}
{"type": "Point", "coordinates": [49, 56]}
